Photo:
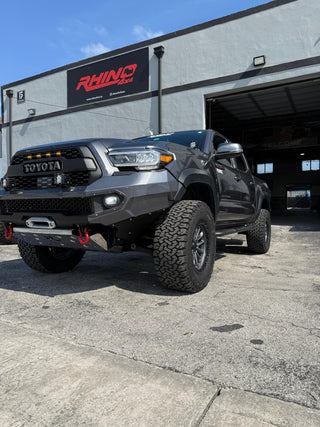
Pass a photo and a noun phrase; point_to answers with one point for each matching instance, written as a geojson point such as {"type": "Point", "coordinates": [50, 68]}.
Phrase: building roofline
{"type": "Point", "coordinates": [188, 30]}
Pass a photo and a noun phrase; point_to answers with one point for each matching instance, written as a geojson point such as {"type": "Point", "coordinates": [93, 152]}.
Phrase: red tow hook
{"type": "Point", "coordinates": [9, 232]}
{"type": "Point", "coordinates": [86, 235]}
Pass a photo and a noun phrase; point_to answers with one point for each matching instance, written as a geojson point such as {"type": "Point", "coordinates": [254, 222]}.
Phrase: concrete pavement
{"type": "Point", "coordinates": [106, 344]}
{"type": "Point", "coordinates": [46, 381]}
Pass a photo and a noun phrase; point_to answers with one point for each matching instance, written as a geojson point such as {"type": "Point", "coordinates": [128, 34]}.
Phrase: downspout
{"type": "Point", "coordinates": [159, 51]}
{"type": "Point", "coordinates": [9, 94]}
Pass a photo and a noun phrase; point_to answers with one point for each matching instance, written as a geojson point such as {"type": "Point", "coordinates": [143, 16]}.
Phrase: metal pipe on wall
{"type": "Point", "coordinates": [9, 94]}
{"type": "Point", "coordinates": [159, 51]}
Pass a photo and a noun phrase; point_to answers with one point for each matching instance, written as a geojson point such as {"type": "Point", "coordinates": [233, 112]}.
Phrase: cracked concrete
{"type": "Point", "coordinates": [112, 306]}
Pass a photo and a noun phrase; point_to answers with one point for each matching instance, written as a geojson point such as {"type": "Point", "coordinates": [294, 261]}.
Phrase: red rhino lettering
{"type": "Point", "coordinates": [107, 78]}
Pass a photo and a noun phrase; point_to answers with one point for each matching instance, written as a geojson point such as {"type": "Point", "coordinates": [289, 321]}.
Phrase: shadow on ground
{"type": "Point", "coordinates": [131, 271]}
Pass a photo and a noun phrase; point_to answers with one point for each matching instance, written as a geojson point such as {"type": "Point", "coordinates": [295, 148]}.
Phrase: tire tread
{"type": "Point", "coordinates": [36, 258]}
{"type": "Point", "coordinates": [256, 236]}
{"type": "Point", "coordinates": [170, 240]}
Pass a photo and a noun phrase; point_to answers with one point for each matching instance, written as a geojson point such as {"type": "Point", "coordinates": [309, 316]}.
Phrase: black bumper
{"type": "Point", "coordinates": [140, 194]}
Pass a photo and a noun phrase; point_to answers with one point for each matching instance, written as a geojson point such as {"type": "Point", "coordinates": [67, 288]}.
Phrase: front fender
{"type": "Point", "coordinates": [194, 178]}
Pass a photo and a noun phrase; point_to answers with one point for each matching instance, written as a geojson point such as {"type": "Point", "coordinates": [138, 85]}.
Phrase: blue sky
{"type": "Point", "coordinates": [40, 35]}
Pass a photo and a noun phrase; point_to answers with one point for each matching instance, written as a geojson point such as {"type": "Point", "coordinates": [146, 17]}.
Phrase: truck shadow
{"type": "Point", "coordinates": [130, 271]}
{"type": "Point", "coordinates": [232, 246]}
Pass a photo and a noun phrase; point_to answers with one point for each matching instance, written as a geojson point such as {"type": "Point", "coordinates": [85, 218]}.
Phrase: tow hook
{"type": "Point", "coordinates": [8, 232]}
{"type": "Point", "coordinates": [83, 235]}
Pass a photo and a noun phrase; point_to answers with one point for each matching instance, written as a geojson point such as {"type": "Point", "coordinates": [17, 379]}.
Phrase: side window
{"type": "Point", "coordinates": [217, 140]}
{"type": "Point", "coordinates": [240, 163]}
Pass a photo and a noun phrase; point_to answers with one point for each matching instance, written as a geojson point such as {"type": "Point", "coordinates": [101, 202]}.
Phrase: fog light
{"type": "Point", "coordinates": [111, 201]}
{"type": "Point", "coordinates": [59, 179]}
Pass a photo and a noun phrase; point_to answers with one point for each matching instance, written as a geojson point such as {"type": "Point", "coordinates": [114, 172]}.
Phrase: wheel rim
{"type": "Point", "coordinates": [266, 232]}
{"type": "Point", "coordinates": [199, 247]}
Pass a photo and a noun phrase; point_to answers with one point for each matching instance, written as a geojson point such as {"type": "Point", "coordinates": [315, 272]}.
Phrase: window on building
{"type": "Point", "coordinates": [310, 165]}
{"type": "Point", "coordinates": [264, 168]}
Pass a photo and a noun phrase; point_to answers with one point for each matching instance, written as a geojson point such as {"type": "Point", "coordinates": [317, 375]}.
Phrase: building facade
{"type": "Point", "coordinates": [254, 76]}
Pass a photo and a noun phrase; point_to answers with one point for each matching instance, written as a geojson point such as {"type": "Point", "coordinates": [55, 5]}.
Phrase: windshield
{"type": "Point", "coordinates": [193, 138]}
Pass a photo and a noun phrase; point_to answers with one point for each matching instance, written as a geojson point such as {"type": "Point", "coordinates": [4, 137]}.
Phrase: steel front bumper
{"type": "Point", "coordinates": [140, 194]}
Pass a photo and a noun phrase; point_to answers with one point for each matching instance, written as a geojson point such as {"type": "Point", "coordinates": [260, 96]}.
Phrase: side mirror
{"type": "Point", "coordinates": [227, 151]}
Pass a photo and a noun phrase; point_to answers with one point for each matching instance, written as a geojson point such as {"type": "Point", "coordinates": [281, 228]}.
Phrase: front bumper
{"type": "Point", "coordinates": [140, 193]}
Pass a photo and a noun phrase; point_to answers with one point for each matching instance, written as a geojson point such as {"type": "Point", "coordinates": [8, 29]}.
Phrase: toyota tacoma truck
{"type": "Point", "coordinates": [171, 194]}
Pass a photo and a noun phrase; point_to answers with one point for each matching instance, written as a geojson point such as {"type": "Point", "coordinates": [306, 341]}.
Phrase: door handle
{"type": "Point", "coordinates": [237, 178]}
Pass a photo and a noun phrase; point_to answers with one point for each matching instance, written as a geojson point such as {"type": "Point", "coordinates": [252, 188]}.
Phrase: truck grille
{"type": "Point", "coordinates": [66, 206]}
{"type": "Point", "coordinates": [57, 167]}
{"type": "Point", "coordinates": [67, 153]}
{"type": "Point", "coordinates": [27, 182]}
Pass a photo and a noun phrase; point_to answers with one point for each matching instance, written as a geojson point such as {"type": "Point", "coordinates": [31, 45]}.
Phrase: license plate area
{"type": "Point", "coordinates": [45, 181]}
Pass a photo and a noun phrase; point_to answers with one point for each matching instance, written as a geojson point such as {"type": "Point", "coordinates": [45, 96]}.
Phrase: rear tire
{"type": "Point", "coordinates": [49, 259]}
{"type": "Point", "coordinates": [184, 246]}
{"type": "Point", "coordinates": [259, 237]}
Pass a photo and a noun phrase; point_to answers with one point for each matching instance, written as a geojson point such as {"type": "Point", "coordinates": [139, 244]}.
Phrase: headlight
{"type": "Point", "coordinates": [140, 160]}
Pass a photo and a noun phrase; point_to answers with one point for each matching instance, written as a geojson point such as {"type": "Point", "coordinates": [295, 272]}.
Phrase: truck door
{"type": "Point", "coordinates": [229, 198]}
{"type": "Point", "coordinates": [236, 188]}
{"type": "Point", "coordinates": [245, 197]}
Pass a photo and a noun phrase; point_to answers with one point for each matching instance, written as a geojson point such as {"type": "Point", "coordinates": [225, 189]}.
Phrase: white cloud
{"type": "Point", "coordinates": [93, 49]}
{"type": "Point", "coordinates": [142, 33]}
{"type": "Point", "coordinates": [100, 30]}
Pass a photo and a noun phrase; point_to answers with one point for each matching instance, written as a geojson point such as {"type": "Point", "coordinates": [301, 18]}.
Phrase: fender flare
{"type": "Point", "coordinates": [196, 176]}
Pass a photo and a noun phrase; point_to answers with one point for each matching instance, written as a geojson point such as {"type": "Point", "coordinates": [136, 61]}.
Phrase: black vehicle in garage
{"type": "Point", "coordinates": [172, 193]}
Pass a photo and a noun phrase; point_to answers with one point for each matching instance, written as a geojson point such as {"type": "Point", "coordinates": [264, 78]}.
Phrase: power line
{"type": "Point", "coordinates": [87, 112]}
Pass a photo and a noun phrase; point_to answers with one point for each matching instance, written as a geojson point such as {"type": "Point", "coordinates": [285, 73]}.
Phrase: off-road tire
{"type": "Point", "coordinates": [3, 240]}
{"type": "Point", "coordinates": [175, 253]}
{"type": "Point", "coordinates": [259, 237]}
{"type": "Point", "coordinates": [49, 259]}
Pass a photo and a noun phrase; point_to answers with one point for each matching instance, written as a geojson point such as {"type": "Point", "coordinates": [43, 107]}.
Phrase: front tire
{"type": "Point", "coordinates": [259, 237]}
{"type": "Point", "coordinates": [184, 246]}
{"type": "Point", "coordinates": [49, 259]}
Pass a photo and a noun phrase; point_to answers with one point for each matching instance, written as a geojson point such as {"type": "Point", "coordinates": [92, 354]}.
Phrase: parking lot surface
{"type": "Point", "coordinates": [107, 343]}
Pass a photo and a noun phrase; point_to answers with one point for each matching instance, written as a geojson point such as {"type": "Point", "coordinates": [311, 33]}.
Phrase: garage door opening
{"type": "Point", "coordinates": [279, 128]}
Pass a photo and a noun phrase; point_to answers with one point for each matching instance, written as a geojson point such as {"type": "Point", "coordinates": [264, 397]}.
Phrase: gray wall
{"type": "Point", "coordinates": [1, 168]}
{"type": "Point", "coordinates": [283, 34]}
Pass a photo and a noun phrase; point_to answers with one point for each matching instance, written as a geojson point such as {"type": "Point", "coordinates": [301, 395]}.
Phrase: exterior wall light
{"type": "Point", "coordinates": [259, 60]}
{"type": "Point", "coordinates": [32, 111]}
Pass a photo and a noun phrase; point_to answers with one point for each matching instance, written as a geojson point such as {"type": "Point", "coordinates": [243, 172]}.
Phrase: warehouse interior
{"type": "Point", "coordinates": [279, 128]}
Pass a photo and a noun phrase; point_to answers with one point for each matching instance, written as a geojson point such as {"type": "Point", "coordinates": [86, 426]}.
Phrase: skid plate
{"type": "Point", "coordinates": [59, 238]}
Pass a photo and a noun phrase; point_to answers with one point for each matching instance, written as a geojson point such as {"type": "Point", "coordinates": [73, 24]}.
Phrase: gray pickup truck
{"type": "Point", "coordinates": [171, 193]}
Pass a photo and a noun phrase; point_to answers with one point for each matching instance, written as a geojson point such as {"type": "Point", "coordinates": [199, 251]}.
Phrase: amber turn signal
{"type": "Point", "coordinates": [166, 158]}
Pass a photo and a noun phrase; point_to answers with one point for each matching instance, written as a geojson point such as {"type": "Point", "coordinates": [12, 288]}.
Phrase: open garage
{"type": "Point", "coordinates": [279, 127]}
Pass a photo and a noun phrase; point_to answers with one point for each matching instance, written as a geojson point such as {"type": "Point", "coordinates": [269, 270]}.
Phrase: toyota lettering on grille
{"type": "Point", "coordinates": [50, 166]}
